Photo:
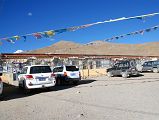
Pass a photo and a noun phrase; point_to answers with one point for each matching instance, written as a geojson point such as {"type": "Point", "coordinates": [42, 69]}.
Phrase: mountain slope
{"type": "Point", "coordinates": [101, 48]}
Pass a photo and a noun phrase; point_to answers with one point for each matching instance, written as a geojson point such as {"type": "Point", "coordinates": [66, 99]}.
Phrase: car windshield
{"type": "Point", "coordinates": [40, 69]}
{"type": "Point", "coordinates": [72, 68]}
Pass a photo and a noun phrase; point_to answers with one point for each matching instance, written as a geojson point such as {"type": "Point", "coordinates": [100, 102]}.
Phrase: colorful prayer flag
{"type": "Point", "coordinates": [49, 33]}
{"type": "Point", "coordinates": [60, 31]}
{"type": "Point", "coordinates": [24, 38]}
{"type": "Point", "coordinates": [16, 37]}
{"type": "Point", "coordinates": [148, 30]}
{"type": "Point", "coordinates": [37, 35]}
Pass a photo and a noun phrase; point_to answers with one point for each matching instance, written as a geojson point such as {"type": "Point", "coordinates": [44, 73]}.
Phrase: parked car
{"type": "Point", "coordinates": [152, 66]}
{"type": "Point", "coordinates": [36, 76]}
{"type": "Point", "coordinates": [123, 68]}
{"type": "Point", "coordinates": [67, 74]}
{"type": "Point", "coordinates": [1, 84]}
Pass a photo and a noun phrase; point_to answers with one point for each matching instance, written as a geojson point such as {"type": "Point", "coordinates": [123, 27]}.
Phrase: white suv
{"type": "Point", "coordinates": [36, 76]}
{"type": "Point", "coordinates": [67, 74]}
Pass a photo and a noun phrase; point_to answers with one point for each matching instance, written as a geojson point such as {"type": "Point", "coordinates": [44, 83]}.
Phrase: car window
{"type": "Point", "coordinates": [149, 63]}
{"type": "Point", "coordinates": [58, 69]}
{"type": "Point", "coordinates": [24, 70]}
{"type": "Point", "coordinates": [55, 70]}
{"type": "Point", "coordinates": [156, 62]}
{"type": "Point", "coordinates": [116, 65]}
{"type": "Point", "coordinates": [121, 65]}
{"type": "Point", "coordinates": [132, 63]}
{"type": "Point", "coordinates": [72, 68]}
{"type": "Point", "coordinates": [126, 64]}
{"type": "Point", "coordinates": [145, 64]}
{"type": "Point", "coordinates": [40, 69]}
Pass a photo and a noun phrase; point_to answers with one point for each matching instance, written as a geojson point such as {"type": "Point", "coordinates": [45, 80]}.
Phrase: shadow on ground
{"type": "Point", "coordinates": [13, 92]}
{"type": "Point", "coordinates": [132, 76]}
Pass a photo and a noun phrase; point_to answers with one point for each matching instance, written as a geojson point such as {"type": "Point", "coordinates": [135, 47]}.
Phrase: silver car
{"type": "Point", "coordinates": [150, 66]}
{"type": "Point", "coordinates": [123, 68]}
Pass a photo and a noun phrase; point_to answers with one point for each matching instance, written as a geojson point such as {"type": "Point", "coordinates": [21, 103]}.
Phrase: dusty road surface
{"type": "Point", "coordinates": [102, 98]}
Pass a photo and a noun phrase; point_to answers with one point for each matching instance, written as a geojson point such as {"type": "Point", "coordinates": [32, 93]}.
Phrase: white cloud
{"type": "Point", "coordinates": [19, 51]}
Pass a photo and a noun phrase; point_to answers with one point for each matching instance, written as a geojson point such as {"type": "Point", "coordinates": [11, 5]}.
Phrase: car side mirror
{"type": "Point", "coordinates": [1, 74]}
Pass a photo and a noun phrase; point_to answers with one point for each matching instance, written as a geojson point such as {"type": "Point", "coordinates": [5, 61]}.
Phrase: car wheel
{"type": "Point", "coordinates": [155, 70]}
{"type": "Point", "coordinates": [109, 74]}
{"type": "Point", "coordinates": [25, 90]}
{"type": "Point", "coordinates": [124, 75]}
{"type": "Point", "coordinates": [58, 81]}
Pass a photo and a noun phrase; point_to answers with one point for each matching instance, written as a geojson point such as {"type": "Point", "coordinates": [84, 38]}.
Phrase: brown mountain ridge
{"type": "Point", "coordinates": [101, 48]}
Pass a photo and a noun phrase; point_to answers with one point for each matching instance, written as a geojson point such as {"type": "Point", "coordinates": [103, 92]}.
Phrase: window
{"type": "Point", "coordinates": [149, 63]}
{"type": "Point", "coordinates": [145, 64]}
{"type": "Point", "coordinates": [71, 68]}
{"type": "Point", "coordinates": [40, 69]}
{"type": "Point", "coordinates": [121, 65]}
{"type": "Point", "coordinates": [55, 70]}
{"type": "Point", "coordinates": [156, 62]}
{"type": "Point", "coordinates": [58, 69]}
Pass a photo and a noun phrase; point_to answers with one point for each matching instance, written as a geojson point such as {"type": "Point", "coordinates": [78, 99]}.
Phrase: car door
{"type": "Point", "coordinates": [116, 70]}
{"type": "Point", "coordinates": [120, 68]}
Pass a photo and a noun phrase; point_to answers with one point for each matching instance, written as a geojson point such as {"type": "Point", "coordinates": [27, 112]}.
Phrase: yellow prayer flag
{"type": "Point", "coordinates": [16, 37]}
{"type": "Point", "coordinates": [50, 33]}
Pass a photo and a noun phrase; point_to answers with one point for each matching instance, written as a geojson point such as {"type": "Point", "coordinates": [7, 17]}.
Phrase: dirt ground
{"type": "Point", "coordinates": [102, 98]}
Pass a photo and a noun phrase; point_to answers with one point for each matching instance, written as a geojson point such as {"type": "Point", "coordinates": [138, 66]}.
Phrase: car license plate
{"type": "Point", "coordinates": [73, 74]}
{"type": "Point", "coordinates": [41, 78]}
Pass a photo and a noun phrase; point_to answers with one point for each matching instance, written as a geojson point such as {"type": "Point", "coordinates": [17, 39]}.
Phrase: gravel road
{"type": "Point", "coordinates": [102, 98]}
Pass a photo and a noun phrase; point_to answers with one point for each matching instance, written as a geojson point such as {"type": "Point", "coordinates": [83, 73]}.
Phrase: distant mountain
{"type": "Point", "coordinates": [101, 48]}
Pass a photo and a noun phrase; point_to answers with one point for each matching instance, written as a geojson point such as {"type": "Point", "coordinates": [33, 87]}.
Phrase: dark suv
{"type": "Point", "coordinates": [150, 66]}
{"type": "Point", "coordinates": [123, 68]}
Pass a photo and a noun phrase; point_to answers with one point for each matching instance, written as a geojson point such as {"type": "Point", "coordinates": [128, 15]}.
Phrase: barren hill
{"type": "Point", "coordinates": [101, 48]}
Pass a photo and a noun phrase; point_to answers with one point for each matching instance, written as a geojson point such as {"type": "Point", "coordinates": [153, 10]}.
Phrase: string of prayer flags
{"type": "Point", "coordinates": [50, 33]}
{"type": "Point", "coordinates": [133, 33]}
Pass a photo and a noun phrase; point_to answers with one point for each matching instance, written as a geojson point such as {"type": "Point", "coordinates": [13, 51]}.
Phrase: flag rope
{"type": "Point", "coordinates": [50, 33]}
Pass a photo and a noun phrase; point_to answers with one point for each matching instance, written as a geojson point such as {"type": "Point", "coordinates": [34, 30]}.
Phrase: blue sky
{"type": "Point", "coordinates": [18, 17]}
